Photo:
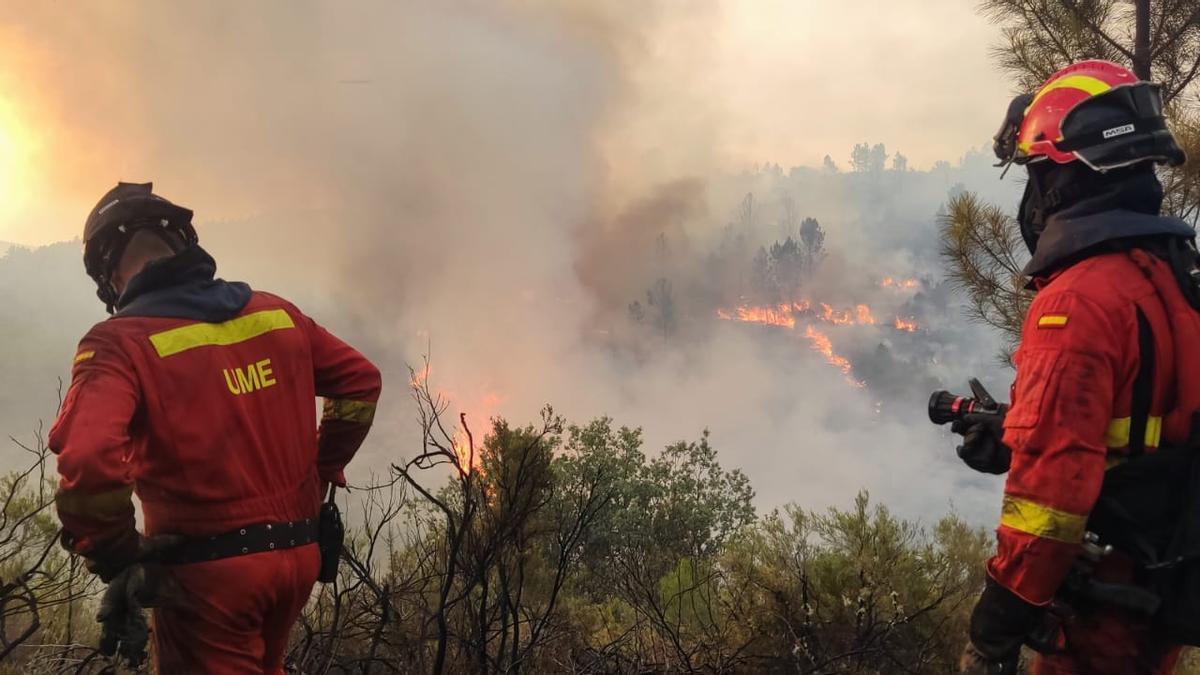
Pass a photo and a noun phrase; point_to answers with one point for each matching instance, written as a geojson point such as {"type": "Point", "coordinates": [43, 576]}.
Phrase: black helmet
{"type": "Point", "coordinates": [121, 212]}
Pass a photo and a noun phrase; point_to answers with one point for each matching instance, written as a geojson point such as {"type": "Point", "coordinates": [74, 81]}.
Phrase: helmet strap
{"type": "Point", "coordinates": [112, 249]}
{"type": "Point", "coordinates": [1031, 215]}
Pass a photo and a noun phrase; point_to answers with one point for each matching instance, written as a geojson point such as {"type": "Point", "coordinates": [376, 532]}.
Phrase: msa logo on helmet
{"type": "Point", "coordinates": [1118, 131]}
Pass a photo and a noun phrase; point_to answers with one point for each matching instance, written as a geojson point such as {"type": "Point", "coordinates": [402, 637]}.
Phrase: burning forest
{"type": "Point", "coordinates": [624, 316]}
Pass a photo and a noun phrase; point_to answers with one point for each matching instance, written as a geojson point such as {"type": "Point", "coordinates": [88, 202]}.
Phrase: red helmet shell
{"type": "Point", "coordinates": [1041, 128]}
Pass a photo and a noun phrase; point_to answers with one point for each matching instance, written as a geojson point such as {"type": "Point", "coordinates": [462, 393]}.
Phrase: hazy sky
{"type": "Point", "coordinates": [706, 85]}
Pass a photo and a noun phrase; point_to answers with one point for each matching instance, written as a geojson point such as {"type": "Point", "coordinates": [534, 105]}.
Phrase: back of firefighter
{"type": "Point", "coordinates": [1102, 369]}
{"type": "Point", "coordinates": [198, 395]}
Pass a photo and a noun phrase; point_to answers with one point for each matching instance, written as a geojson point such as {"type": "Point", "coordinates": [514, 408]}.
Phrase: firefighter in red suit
{"type": "Point", "coordinates": [1102, 367]}
{"type": "Point", "coordinates": [198, 395]}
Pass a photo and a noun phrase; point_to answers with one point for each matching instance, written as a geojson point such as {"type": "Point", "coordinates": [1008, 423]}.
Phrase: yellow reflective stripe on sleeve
{"type": "Point", "coordinates": [1153, 431]}
{"type": "Point", "coordinates": [344, 410]}
{"type": "Point", "coordinates": [1052, 321]}
{"type": "Point", "coordinates": [103, 506]}
{"type": "Point", "coordinates": [84, 356]}
{"type": "Point", "coordinates": [1117, 434]}
{"type": "Point", "coordinates": [1030, 517]}
{"type": "Point", "coordinates": [176, 340]}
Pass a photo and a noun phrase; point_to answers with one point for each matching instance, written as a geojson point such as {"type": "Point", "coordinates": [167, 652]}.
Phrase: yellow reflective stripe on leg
{"type": "Point", "coordinates": [176, 340]}
{"type": "Point", "coordinates": [1024, 515]}
{"type": "Point", "coordinates": [345, 410]}
{"type": "Point", "coordinates": [1117, 434]}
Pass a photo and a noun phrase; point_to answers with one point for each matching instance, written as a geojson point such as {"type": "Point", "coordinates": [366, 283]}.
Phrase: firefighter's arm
{"type": "Point", "coordinates": [92, 441]}
{"type": "Point", "coordinates": [350, 385]}
{"type": "Point", "coordinates": [1072, 352]}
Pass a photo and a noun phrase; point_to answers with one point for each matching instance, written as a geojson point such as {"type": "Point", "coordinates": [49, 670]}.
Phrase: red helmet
{"type": "Point", "coordinates": [1096, 112]}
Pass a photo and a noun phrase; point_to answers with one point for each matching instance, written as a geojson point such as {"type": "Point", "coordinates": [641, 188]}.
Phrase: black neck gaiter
{"type": "Point", "coordinates": [1074, 190]}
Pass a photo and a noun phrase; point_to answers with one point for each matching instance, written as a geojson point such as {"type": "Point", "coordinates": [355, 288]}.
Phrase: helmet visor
{"type": "Point", "coordinates": [1119, 127]}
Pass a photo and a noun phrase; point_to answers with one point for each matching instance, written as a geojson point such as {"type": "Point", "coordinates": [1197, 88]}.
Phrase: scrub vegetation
{"type": "Point", "coordinates": [559, 547]}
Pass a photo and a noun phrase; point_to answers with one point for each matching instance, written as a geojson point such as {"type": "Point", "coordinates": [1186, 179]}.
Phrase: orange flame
{"type": "Point", "coordinates": [784, 314]}
{"type": "Point", "coordinates": [771, 316]}
{"type": "Point", "coordinates": [460, 441]}
{"type": "Point", "coordinates": [821, 343]}
{"type": "Point", "coordinates": [898, 283]}
{"type": "Point", "coordinates": [462, 447]}
{"type": "Point", "coordinates": [907, 325]}
{"type": "Point", "coordinates": [834, 317]}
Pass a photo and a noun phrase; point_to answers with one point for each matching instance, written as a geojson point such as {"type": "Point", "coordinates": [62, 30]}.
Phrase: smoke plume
{"type": "Point", "coordinates": [494, 185]}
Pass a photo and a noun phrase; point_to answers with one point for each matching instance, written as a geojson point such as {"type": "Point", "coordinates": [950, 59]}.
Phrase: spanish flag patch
{"type": "Point", "coordinates": [1052, 321]}
{"type": "Point", "coordinates": [84, 356]}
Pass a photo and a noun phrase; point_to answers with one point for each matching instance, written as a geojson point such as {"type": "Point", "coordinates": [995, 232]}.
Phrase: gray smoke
{"type": "Point", "coordinates": [454, 178]}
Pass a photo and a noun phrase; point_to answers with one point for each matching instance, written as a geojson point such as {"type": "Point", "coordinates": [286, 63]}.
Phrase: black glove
{"type": "Point", "coordinates": [123, 628]}
{"type": "Point", "coordinates": [982, 448]}
{"type": "Point", "coordinates": [1000, 624]}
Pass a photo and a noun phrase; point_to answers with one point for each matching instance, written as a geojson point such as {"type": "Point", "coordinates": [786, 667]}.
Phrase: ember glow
{"type": "Point", "coordinates": [889, 282]}
{"type": "Point", "coordinates": [906, 325]}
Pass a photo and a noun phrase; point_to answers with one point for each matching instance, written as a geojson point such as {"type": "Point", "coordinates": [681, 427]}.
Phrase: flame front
{"type": "Point", "coordinates": [906, 325]}
{"type": "Point", "coordinates": [771, 316]}
{"type": "Point", "coordinates": [821, 343]}
{"type": "Point", "coordinates": [784, 315]}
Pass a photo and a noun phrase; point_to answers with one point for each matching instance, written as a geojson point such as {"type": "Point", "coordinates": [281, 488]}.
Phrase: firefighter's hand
{"type": "Point", "coordinates": [982, 448]}
{"type": "Point", "coordinates": [123, 628]}
{"type": "Point", "coordinates": [1000, 623]}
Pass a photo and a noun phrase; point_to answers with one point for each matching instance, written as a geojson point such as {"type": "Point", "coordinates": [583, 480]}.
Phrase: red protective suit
{"type": "Point", "coordinates": [213, 425]}
{"type": "Point", "coordinates": [1070, 420]}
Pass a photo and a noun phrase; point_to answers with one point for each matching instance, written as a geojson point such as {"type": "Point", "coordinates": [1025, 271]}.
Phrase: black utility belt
{"type": "Point", "coordinates": [246, 540]}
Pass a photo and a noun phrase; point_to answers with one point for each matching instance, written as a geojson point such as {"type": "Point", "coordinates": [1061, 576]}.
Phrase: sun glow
{"type": "Point", "coordinates": [16, 146]}
{"type": "Point", "coordinates": [21, 140]}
